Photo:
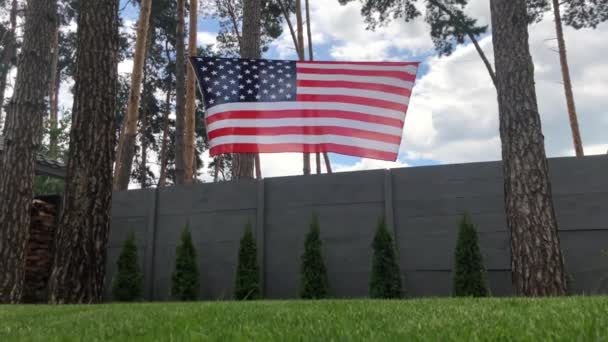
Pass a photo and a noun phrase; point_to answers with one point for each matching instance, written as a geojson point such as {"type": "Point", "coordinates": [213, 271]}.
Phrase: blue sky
{"type": "Point", "coordinates": [453, 116]}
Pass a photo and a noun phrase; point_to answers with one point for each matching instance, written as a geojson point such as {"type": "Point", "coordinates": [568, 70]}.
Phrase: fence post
{"type": "Point", "coordinates": [259, 235]}
{"type": "Point", "coordinates": [150, 248]}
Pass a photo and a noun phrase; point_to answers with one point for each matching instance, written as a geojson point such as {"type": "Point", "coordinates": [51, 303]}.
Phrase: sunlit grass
{"type": "Point", "coordinates": [563, 319]}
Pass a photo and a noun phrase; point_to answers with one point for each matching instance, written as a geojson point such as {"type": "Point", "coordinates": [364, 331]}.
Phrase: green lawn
{"type": "Point", "coordinates": [567, 319]}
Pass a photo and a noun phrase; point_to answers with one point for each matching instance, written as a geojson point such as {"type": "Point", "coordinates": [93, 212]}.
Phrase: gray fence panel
{"type": "Point", "coordinates": [426, 204]}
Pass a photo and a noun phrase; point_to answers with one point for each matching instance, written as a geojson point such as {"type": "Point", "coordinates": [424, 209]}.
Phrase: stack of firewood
{"type": "Point", "coordinates": [39, 251]}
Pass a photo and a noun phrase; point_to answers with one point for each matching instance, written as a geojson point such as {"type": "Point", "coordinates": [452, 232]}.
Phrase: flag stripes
{"type": "Point", "coordinates": [352, 108]}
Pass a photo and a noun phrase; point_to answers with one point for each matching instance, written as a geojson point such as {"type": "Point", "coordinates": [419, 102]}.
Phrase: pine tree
{"type": "Point", "coordinates": [469, 273]}
{"type": "Point", "coordinates": [185, 277]}
{"type": "Point", "coordinates": [247, 285]}
{"type": "Point", "coordinates": [538, 269]}
{"type": "Point", "coordinates": [314, 281]}
{"type": "Point", "coordinates": [78, 273]}
{"type": "Point", "coordinates": [126, 144]}
{"type": "Point", "coordinates": [386, 277]}
{"type": "Point", "coordinates": [127, 286]}
{"type": "Point", "coordinates": [22, 133]}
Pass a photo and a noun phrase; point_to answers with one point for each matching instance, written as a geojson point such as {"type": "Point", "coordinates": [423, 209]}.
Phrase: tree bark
{"type": "Point", "coordinates": [300, 27]}
{"type": "Point", "coordinates": [8, 56]}
{"type": "Point", "coordinates": [143, 141]}
{"type": "Point", "coordinates": [563, 59]}
{"type": "Point", "coordinates": [22, 140]}
{"type": "Point", "coordinates": [180, 93]}
{"type": "Point", "coordinates": [162, 178]}
{"type": "Point", "coordinates": [536, 259]}
{"type": "Point", "coordinates": [53, 93]}
{"type": "Point", "coordinates": [312, 57]}
{"type": "Point", "coordinates": [243, 163]}
{"type": "Point", "coordinates": [190, 124]}
{"type": "Point", "coordinates": [81, 240]}
{"type": "Point", "coordinates": [126, 144]}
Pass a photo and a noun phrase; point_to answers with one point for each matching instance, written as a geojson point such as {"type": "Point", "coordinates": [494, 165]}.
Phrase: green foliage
{"type": "Point", "coordinates": [229, 12]}
{"type": "Point", "coordinates": [469, 273]}
{"type": "Point", "coordinates": [385, 280]}
{"type": "Point", "coordinates": [576, 13]}
{"type": "Point", "coordinates": [127, 285]}
{"type": "Point", "coordinates": [247, 285]}
{"type": "Point", "coordinates": [449, 25]}
{"type": "Point", "coordinates": [314, 283]}
{"type": "Point", "coordinates": [45, 185]}
{"type": "Point", "coordinates": [185, 281]}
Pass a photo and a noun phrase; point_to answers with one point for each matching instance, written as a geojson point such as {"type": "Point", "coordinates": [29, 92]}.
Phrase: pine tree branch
{"type": "Point", "coordinates": [456, 20]}
{"type": "Point", "coordinates": [291, 30]}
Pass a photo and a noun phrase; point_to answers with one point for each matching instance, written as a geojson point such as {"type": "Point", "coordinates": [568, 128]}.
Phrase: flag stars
{"type": "Point", "coordinates": [237, 80]}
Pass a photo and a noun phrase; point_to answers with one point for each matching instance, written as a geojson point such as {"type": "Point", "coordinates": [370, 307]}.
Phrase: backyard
{"type": "Point", "coordinates": [556, 319]}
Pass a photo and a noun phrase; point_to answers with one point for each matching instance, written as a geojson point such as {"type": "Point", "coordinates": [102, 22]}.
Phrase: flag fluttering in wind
{"type": "Point", "coordinates": [269, 106]}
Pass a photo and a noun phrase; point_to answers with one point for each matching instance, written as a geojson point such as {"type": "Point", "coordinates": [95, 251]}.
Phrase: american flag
{"type": "Point", "coordinates": [268, 106]}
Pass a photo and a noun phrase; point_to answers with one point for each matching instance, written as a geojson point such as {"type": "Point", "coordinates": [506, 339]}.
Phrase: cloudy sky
{"type": "Point", "coordinates": [453, 115]}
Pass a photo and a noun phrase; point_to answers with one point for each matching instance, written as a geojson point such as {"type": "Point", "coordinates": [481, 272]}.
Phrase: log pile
{"type": "Point", "coordinates": [39, 251]}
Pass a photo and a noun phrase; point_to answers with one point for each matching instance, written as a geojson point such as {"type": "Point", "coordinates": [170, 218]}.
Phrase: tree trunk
{"type": "Point", "coordinates": [300, 27]}
{"type": "Point", "coordinates": [563, 59]}
{"type": "Point", "coordinates": [143, 141]}
{"type": "Point", "coordinates": [312, 57]}
{"type": "Point", "coordinates": [162, 178]}
{"type": "Point", "coordinates": [21, 143]}
{"type": "Point", "coordinates": [536, 259]}
{"type": "Point", "coordinates": [243, 163]}
{"type": "Point", "coordinates": [81, 240]}
{"type": "Point", "coordinates": [126, 144]}
{"type": "Point", "coordinates": [8, 55]}
{"type": "Point", "coordinates": [190, 124]}
{"type": "Point", "coordinates": [53, 94]}
{"type": "Point", "coordinates": [180, 94]}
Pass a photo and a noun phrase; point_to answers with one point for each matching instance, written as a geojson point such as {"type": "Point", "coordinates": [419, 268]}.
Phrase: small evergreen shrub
{"type": "Point", "coordinates": [247, 285]}
{"type": "Point", "coordinates": [127, 284]}
{"type": "Point", "coordinates": [385, 280]}
{"type": "Point", "coordinates": [314, 283]}
{"type": "Point", "coordinates": [185, 281]}
{"type": "Point", "coordinates": [469, 273]}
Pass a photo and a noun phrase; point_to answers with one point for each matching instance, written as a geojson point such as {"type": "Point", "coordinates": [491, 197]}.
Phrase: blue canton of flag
{"type": "Point", "coordinates": [241, 80]}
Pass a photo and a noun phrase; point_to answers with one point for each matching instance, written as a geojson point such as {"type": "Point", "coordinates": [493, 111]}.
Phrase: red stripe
{"type": "Point", "coordinates": [285, 114]}
{"type": "Point", "coordinates": [402, 75]}
{"type": "Point", "coordinates": [305, 148]}
{"type": "Point", "coordinates": [363, 63]}
{"type": "Point", "coordinates": [366, 101]}
{"type": "Point", "coordinates": [355, 85]}
{"type": "Point", "coordinates": [306, 130]}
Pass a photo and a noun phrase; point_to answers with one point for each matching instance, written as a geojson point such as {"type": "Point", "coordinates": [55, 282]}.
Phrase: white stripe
{"type": "Point", "coordinates": [355, 78]}
{"type": "Point", "coordinates": [410, 69]}
{"type": "Point", "coordinates": [305, 139]}
{"type": "Point", "coordinates": [304, 105]}
{"type": "Point", "coordinates": [379, 95]}
{"type": "Point", "coordinates": [305, 122]}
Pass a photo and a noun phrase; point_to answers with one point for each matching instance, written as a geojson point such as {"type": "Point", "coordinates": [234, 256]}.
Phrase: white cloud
{"type": "Point", "coordinates": [291, 164]}
{"type": "Point", "coordinates": [343, 31]}
{"type": "Point", "coordinates": [369, 164]}
{"type": "Point", "coordinates": [205, 38]}
{"type": "Point", "coordinates": [453, 115]}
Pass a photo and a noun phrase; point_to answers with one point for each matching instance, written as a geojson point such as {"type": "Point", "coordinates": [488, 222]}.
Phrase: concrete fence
{"type": "Point", "coordinates": [422, 206]}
